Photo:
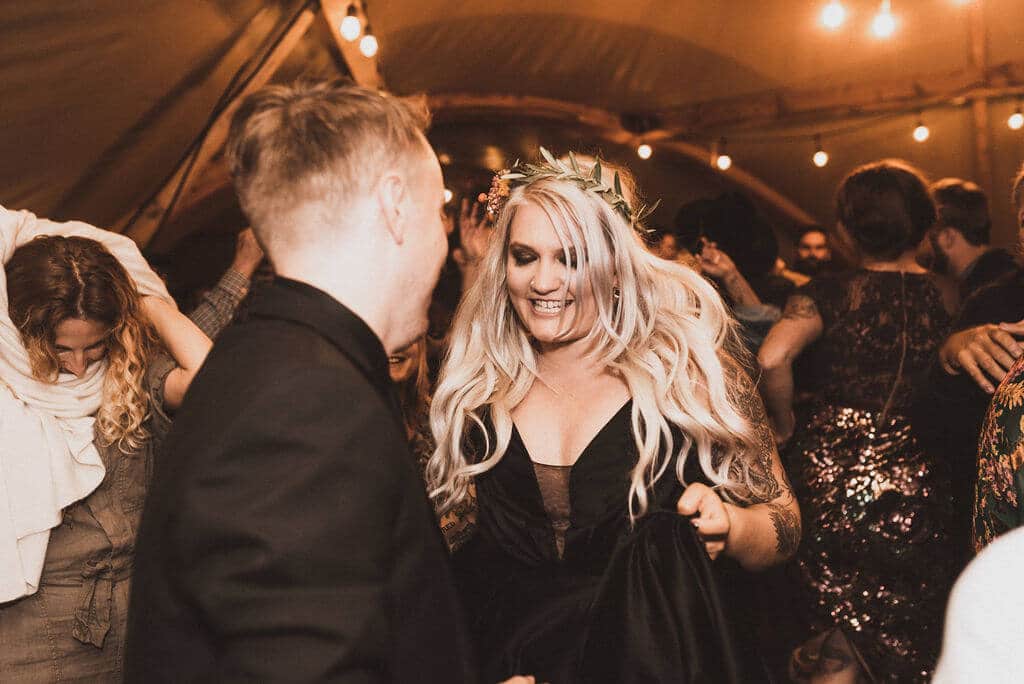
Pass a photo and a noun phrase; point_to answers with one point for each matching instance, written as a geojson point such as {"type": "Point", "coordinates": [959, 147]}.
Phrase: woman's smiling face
{"type": "Point", "coordinates": [541, 285]}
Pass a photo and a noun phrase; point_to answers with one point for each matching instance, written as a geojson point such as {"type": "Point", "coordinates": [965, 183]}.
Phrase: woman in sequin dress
{"type": "Point", "coordinates": [872, 561]}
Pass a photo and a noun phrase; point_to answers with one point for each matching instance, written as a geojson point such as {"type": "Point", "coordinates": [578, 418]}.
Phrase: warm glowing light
{"type": "Point", "coordinates": [351, 27]}
{"type": "Point", "coordinates": [368, 45]}
{"type": "Point", "coordinates": [820, 158]}
{"type": "Point", "coordinates": [444, 158]}
{"type": "Point", "coordinates": [723, 162]}
{"type": "Point", "coordinates": [448, 194]}
{"type": "Point", "coordinates": [962, 2]}
{"type": "Point", "coordinates": [644, 151]}
{"type": "Point", "coordinates": [833, 15]}
{"type": "Point", "coordinates": [921, 133]}
{"type": "Point", "coordinates": [884, 23]}
{"type": "Point", "coordinates": [1016, 121]}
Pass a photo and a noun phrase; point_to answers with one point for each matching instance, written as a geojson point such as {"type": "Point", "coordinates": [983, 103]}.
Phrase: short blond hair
{"type": "Point", "coordinates": [317, 141]}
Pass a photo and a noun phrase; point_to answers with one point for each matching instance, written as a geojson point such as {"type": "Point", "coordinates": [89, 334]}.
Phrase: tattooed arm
{"type": "Point", "coordinates": [766, 532]}
{"type": "Point", "coordinates": [800, 325]}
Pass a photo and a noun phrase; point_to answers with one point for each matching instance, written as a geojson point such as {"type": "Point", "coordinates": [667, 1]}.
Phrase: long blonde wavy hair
{"type": "Point", "coordinates": [54, 278]}
{"type": "Point", "coordinates": [665, 331]}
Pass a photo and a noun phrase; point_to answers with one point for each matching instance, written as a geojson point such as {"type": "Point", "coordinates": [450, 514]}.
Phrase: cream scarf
{"type": "Point", "coordinates": [47, 457]}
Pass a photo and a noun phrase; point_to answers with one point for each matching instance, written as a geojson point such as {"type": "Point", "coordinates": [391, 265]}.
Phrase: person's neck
{"type": "Point", "coordinates": [905, 263]}
{"type": "Point", "coordinates": [962, 260]}
{"type": "Point", "coordinates": [347, 284]}
{"type": "Point", "coordinates": [557, 361]}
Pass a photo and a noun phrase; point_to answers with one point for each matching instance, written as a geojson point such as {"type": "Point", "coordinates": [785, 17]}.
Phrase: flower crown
{"type": "Point", "coordinates": [524, 174]}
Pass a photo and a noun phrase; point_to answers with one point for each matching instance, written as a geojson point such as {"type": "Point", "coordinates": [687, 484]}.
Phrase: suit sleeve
{"type": "Point", "coordinates": [286, 533]}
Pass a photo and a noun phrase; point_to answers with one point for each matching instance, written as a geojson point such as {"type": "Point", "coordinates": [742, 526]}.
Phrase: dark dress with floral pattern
{"type": "Point", "coordinates": [873, 561]}
{"type": "Point", "coordinates": [1000, 487]}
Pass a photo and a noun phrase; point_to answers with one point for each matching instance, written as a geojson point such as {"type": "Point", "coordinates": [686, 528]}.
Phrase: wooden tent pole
{"type": "Point", "coordinates": [983, 169]}
{"type": "Point", "coordinates": [155, 213]}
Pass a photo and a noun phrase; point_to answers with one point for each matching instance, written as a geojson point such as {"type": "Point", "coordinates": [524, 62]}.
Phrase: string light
{"type": "Point", "coordinates": [644, 151]}
{"type": "Point", "coordinates": [833, 15]}
{"type": "Point", "coordinates": [820, 155]}
{"type": "Point", "coordinates": [1016, 120]}
{"type": "Point", "coordinates": [884, 23]}
{"type": "Point", "coordinates": [368, 45]}
{"type": "Point", "coordinates": [921, 132]}
{"type": "Point", "coordinates": [722, 160]}
{"type": "Point", "coordinates": [351, 27]}
{"type": "Point", "coordinates": [448, 194]}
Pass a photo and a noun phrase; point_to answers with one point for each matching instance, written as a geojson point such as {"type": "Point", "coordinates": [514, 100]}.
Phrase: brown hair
{"type": "Point", "coordinates": [52, 279]}
{"type": "Point", "coordinates": [313, 141]}
{"type": "Point", "coordinates": [885, 207]}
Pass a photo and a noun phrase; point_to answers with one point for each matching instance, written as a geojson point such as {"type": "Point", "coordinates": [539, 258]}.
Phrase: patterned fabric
{"type": "Point", "coordinates": [218, 306]}
{"type": "Point", "coordinates": [1000, 459]}
{"type": "Point", "coordinates": [873, 561]}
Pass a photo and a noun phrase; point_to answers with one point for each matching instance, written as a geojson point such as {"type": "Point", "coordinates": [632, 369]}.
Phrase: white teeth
{"type": "Point", "coordinates": [548, 306]}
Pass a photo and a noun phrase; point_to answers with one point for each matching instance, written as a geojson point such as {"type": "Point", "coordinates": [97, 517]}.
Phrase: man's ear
{"type": "Point", "coordinates": [392, 200]}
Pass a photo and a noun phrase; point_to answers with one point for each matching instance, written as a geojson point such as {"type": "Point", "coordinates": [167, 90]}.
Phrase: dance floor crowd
{"type": "Point", "coordinates": [527, 437]}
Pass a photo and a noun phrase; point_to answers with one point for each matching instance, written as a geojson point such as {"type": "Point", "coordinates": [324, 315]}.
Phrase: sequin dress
{"type": "Point", "coordinates": [875, 508]}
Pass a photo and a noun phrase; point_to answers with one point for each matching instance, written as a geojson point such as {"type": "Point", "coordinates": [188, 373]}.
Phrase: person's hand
{"type": "Point", "coordinates": [716, 263]}
{"type": "Point", "coordinates": [711, 517]}
{"type": "Point", "coordinates": [984, 352]}
{"type": "Point", "coordinates": [474, 233]}
{"type": "Point", "coordinates": [248, 253]}
{"type": "Point", "coordinates": [782, 430]}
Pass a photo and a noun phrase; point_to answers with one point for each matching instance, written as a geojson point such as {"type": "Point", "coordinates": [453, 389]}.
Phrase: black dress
{"type": "Point", "coordinates": [875, 560]}
{"type": "Point", "coordinates": [618, 604]}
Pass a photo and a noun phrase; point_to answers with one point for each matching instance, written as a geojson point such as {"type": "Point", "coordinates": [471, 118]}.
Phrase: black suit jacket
{"type": "Point", "coordinates": [287, 535]}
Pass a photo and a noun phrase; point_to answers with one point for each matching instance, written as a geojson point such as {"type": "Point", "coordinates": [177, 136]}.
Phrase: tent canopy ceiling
{"type": "Point", "coordinates": [102, 99]}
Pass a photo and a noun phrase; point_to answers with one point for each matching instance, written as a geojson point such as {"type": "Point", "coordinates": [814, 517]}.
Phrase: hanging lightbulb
{"type": "Point", "coordinates": [820, 155]}
{"type": "Point", "coordinates": [722, 160]}
{"type": "Point", "coordinates": [921, 132]}
{"type": "Point", "coordinates": [884, 23]}
{"type": "Point", "coordinates": [833, 15]}
{"type": "Point", "coordinates": [368, 45]}
{"type": "Point", "coordinates": [1016, 120]}
{"type": "Point", "coordinates": [448, 194]}
{"type": "Point", "coordinates": [644, 151]}
{"type": "Point", "coordinates": [351, 27]}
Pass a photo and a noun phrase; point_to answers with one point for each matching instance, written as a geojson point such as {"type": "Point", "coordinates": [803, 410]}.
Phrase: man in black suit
{"type": "Point", "coordinates": [287, 535]}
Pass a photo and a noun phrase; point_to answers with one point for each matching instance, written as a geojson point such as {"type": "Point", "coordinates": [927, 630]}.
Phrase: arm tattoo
{"type": "Point", "coordinates": [800, 306]}
{"type": "Point", "coordinates": [760, 463]}
{"type": "Point", "coordinates": [787, 529]}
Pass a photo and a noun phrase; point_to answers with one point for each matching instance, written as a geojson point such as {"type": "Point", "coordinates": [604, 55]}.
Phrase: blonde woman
{"type": "Point", "coordinates": [591, 395]}
{"type": "Point", "coordinates": [86, 386]}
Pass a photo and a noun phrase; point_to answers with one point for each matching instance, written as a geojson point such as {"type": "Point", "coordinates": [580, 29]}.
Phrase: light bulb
{"type": "Point", "coordinates": [448, 194]}
{"type": "Point", "coordinates": [833, 15]}
{"type": "Point", "coordinates": [1016, 121]}
{"type": "Point", "coordinates": [820, 158]}
{"type": "Point", "coordinates": [723, 162]}
{"type": "Point", "coordinates": [884, 23]}
{"type": "Point", "coordinates": [921, 133]}
{"type": "Point", "coordinates": [351, 27]}
{"type": "Point", "coordinates": [644, 151]}
{"type": "Point", "coordinates": [368, 45]}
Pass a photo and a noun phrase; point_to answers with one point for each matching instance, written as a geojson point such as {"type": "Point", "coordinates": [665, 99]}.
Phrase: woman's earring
{"type": "Point", "coordinates": [616, 293]}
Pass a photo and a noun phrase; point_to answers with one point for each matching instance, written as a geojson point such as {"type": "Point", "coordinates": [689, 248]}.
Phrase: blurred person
{"type": "Point", "coordinates": [732, 222]}
{"type": "Point", "coordinates": [288, 535]}
{"type": "Point", "coordinates": [592, 396]}
{"type": "Point", "coordinates": [874, 565]}
{"type": "Point", "coordinates": [754, 317]}
{"type": "Point", "coordinates": [93, 356]}
{"type": "Point", "coordinates": [983, 629]}
{"type": "Point", "coordinates": [970, 364]}
{"type": "Point", "coordinates": [958, 244]}
{"type": "Point", "coordinates": [813, 254]}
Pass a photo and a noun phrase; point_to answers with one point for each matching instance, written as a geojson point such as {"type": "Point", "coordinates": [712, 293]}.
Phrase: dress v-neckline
{"type": "Point", "coordinates": [579, 457]}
